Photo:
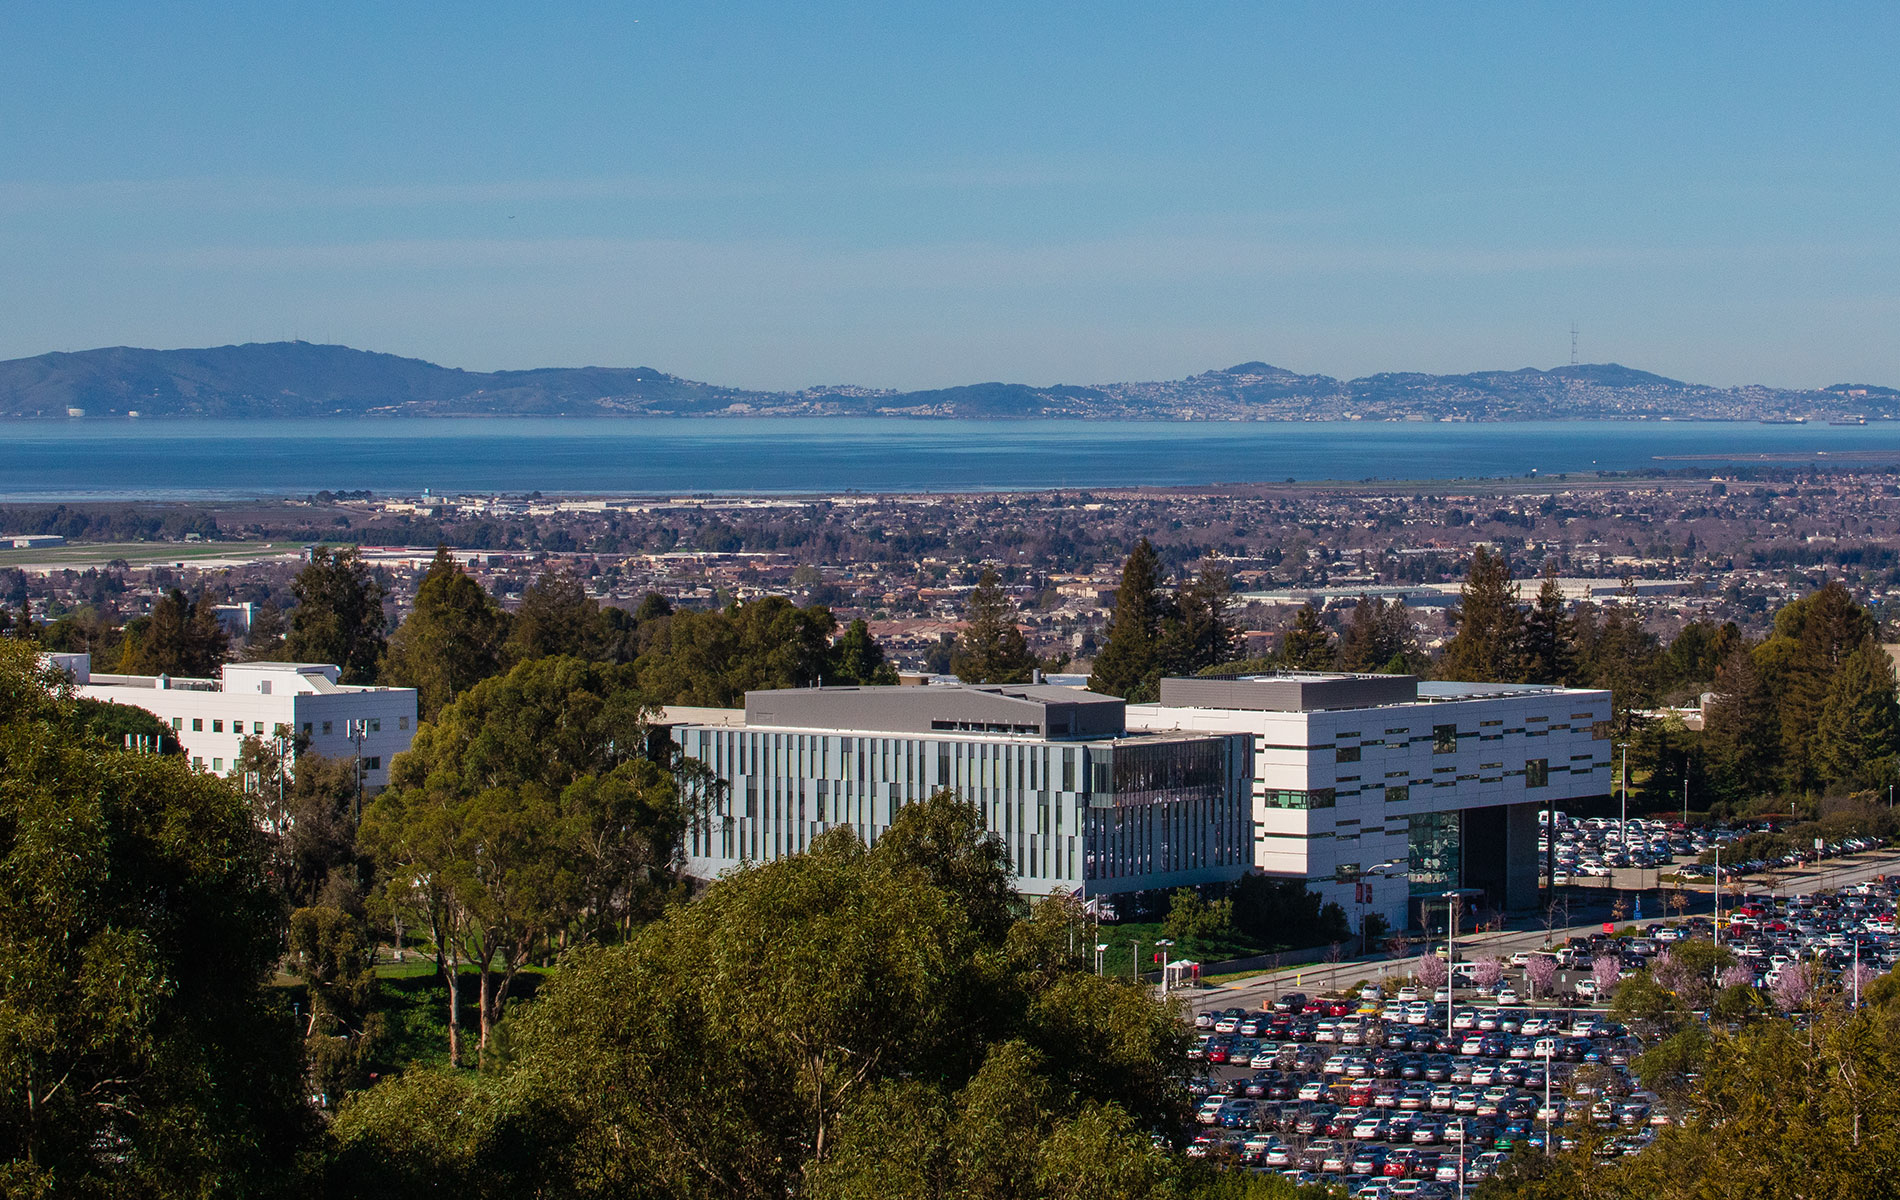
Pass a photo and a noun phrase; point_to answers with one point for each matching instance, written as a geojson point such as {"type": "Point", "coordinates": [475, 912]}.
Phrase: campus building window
{"type": "Point", "coordinates": [1536, 772]}
{"type": "Point", "coordinates": [197, 724]}
{"type": "Point", "coordinates": [1346, 754]}
{"type": "Point", "coordinates": [1398, 793]}
{"type": "Point", "coordinates": [1295, 798]}
{"type": "Point", "coordinates": [1444, 739]}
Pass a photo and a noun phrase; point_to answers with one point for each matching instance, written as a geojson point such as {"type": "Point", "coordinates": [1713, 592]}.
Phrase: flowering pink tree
{"type": "Point", "coordinates": [1791, 988]}
{"type": "Point", "coordinates": [1431, 971]}
{"type": "Point", "coordinates": [1738, 975]}
{"type": "Point", "coordinates": [1487, 972]}
{"type": "Point", "coordinates": [1607, 970]}
{"type": "Point", "coordinates": [1542, 973]}
{"type": "Point", "coordinates": [1669, 973]}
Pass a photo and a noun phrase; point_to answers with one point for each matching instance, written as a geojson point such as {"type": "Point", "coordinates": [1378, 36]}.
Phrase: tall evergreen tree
{"type": "Point", "coordinates": [1489, 644]}
{"type": "Point", "coordinates": [339, 614]}
{"type": "Point", "coordinates": [265, 641]}
{"type": "Point", "coordinates": [1378, 638]}
{"type": "Point", "coordinates": [1813, 636]}
{"type": "Point", "coordinates": [1857, 736]}
{"type": "Point", "coordinates": [1128, 664]}
{"type": "Point", "coordinates": [1550, 636]}
{"type": "Point", "coordinates": [1740, 729]}
{"type": "Point", "coordinates": [1625, 658]}
{"type": "Point", "coordinates": [450, 641]}
{"type": "Point", "coordinates": [856, 658]}
{"type": "Point", "coordinates": [1308, 646]}
{"type": "Point", "coordinates": [1197, 633]}
{"type": "Point", "coordinates": [991, 648]}
{"type": "Point", "coordinates": [556, 616]}
{"type": "Point", "coordinates": [182, 637]}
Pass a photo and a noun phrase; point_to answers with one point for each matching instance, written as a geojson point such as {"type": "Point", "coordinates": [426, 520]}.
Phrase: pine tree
{"type": "Point", "coordinates": [1377, 638]}
{"type": "Point", "coordinates": [1361, 640]}
{"type": "Point", "coordinates": [1550, 636]}
{"type": "Point", "coordinates": [1740, 727]}
{"type": "Point", "coordinates": [180, 638]}
{"type": "Point", "coordinates": [265, 641]}
{"type": "Point", "coordinates": [556, 616]}
{"type": "Point", "coordinates": [856, 658]}
{"type": "Point", "coordinates": [1308, 646]}
{"type": "Point", "coordinates": [339, 614]}
{"type": "Point", "coordinates": [1197, 633]}
{"type": "Point", "coordinates": [1128, 664]}
{"type": "Point", "coordinates": [1813, 637]}
{"type": "Point", "coordinates": [991, 648]}
{"type": "Point", "coordinates": [1858, 733]}
{"type": "Point", "coordinates": [1488, 647]}
{"type": "Point", "coordinates": [450, 641]}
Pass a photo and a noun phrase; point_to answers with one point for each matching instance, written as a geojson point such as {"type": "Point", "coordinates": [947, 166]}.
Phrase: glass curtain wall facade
{"type": "Point", "coordinates": [1096, 816]}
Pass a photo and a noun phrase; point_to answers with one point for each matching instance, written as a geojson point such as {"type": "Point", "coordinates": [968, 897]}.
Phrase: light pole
{"type": "Point", "coordinates": [1451, 959]}
{"type": "Point", "coordinates": [1134, 955]}
{"type": "Point", "coordinates": [1623, 824]}
{"type": "Point", "coordinates": [1101, 956]}
{"type": "Point", "coordinates": [1550, 1044]}
{"type": "Point", "coordinates": [355, 731]}
{"type": "Point", "coordinates": [1164, 945]}
{"type": "Point", "coordinates": [1718, 893]}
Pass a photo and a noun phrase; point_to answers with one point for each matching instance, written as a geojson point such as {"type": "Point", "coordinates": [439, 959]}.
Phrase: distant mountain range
{"type": "Point", "coordinates": [299, 379]}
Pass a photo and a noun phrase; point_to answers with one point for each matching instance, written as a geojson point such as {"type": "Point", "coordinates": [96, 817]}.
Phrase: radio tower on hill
{"type": "Point", "coordinates": [1573, 343]}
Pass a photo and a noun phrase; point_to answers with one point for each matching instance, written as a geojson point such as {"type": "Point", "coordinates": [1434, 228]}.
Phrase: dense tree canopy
{"type": "Point", "coordinates": [529, 810]}
{"type": "Point", "coordinates": [841, 1023]}
{"type": "Point", "coordinates": [140, 1051]}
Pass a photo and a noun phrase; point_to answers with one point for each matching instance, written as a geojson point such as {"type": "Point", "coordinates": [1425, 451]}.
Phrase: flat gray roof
{"type": "Point", "coordinates": [1039, 710]}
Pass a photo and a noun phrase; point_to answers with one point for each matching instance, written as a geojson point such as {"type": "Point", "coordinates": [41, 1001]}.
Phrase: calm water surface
{"type": "Point", "coordinates": [636, 456]}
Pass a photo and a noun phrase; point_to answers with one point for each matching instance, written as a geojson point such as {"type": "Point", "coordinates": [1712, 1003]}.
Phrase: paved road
{"type": "Point", "coordinates": [1589, 908]}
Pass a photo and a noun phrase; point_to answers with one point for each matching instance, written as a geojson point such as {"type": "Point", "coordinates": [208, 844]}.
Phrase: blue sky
{"type": "Point", "coordinates": [911, 195]}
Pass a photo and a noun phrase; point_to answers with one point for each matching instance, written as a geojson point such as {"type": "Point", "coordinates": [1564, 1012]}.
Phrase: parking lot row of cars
{"type": "Point", "coordinates": [1406, 1093]}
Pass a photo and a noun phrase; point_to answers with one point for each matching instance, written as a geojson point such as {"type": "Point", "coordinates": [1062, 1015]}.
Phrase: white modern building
{"type": "Point", "coordinates": [1383, 793]}
{"type": "Point", "coordinates": [212, 717]}
{"type": "Point", "coordinates": [1081, 804]}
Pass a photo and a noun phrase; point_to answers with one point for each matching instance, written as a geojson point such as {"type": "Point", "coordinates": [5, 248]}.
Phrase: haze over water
{"type": "Point", "coordinates": [208, 459]}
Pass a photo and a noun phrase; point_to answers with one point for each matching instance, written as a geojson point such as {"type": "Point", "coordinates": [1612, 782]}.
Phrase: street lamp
{"type": "Point", "coordinates": [1623, 824]}
{"type": "Point", "coordinates": [1101, 956]}
{"type": "Point", "coordinates": [1451, 958]}
{"type": "Point", "coordinates": [356, 731]}
{"type": "Point", "coordinates": [1163, 945]}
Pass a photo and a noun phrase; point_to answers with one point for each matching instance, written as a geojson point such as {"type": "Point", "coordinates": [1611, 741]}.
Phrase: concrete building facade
{"type": "Point", "coordinates": [1080, 804]}
{"type": "Point", "coordinates": [1383, 793]}
{"type": "Point", "coordinates": [212, 717]}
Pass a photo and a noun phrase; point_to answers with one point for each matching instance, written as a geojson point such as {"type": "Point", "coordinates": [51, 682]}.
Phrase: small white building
{"type": "Point", "coordinates": [212, 717]}
{"type": "Point", "coordinates": [1383, 793]}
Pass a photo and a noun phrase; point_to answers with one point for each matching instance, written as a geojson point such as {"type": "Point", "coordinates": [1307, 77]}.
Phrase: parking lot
{"type": "Point", "coordinates": [1406, 1093]}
